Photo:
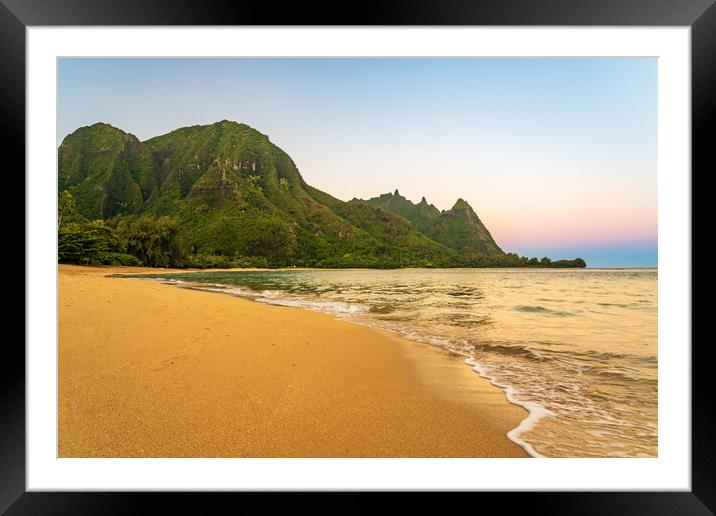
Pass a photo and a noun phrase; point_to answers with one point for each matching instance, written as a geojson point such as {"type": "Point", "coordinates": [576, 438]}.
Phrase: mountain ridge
{"type": "Point", "coordinates": [235, 194]}
{"type": "Point", "coordinates": [458, 228]}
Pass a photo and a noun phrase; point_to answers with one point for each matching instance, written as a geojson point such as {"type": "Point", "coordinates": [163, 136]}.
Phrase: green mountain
{"type": "Point", "coordinates": [107, 171]}
{"type": "Point", "coordinates": [422, 215]}
{"type": "Point", "coordinates": [458, 228]}
{"type": "Point", "coordinates": [225, 195]}
{"type": "Point", "coordinates": [234, 194]}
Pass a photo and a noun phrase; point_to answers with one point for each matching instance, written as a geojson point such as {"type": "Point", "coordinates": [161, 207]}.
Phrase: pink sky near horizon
{"type": "Point", "coordinates": [544, 209]}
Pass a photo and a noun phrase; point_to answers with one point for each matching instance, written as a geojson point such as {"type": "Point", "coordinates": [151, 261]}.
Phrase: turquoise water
{"type": "Point", "coordinates": [577, 348]}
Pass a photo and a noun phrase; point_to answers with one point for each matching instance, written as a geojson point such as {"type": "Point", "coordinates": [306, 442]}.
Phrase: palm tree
{"type": "Point", "coordinates": [65, 206]}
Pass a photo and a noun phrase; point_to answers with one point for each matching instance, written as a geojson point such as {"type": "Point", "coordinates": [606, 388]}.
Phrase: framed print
{"type": "Point", "coordinates": [424, 249]}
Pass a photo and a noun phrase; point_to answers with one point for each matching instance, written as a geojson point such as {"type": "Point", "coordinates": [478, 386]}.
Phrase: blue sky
{"type": "Point", "coordinates": [557, 156]}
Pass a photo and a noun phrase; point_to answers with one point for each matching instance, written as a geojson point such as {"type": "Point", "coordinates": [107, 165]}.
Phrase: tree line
{"type": "Point", "coordinates": [156, 242]}
{"type": "Point", "coordinates": [129, 240]}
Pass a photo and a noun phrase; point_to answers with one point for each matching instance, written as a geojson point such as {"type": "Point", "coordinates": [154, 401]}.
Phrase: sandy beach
{"type": "Point", "coordinates": [152, 370]}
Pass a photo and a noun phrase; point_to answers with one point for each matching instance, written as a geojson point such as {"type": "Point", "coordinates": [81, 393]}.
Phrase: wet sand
{"type": "Point", "coordinates": [152, 370]}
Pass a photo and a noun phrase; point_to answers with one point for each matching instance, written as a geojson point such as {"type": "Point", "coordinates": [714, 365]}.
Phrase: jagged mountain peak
{"type": "Point", "coordinates": [461, 204]}
{"type": "Point", "coordinates": [458, 228]}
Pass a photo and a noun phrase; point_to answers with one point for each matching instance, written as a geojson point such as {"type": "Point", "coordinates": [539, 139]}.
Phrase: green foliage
{"type": "Point", "coordinates": [512, 260]}
{"type": "Point", "coordinates": [108, 171]}
{"type": "Point", "coordinates": [255, 183]}
{"type": "Point", "coordinates": [459, 228]}
{"type": "Point", "coordinates": [202, 261]}
{"type": "Point", "coordinates": [271, 239]}
{"type": "Point", "coordinates": [91, 243]}
{"type": "Point", "coordinates": [65, 206]}
{"type": "Point", "coordinates": [576, 263]}
{"type": "Point", "coordinates": [154, 241]}
{"type": "Point", "coordinates": [422, 215]}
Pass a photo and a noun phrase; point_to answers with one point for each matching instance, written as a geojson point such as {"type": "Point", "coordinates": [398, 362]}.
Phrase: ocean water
{"type": "Point", "coordinates": [576, 348]}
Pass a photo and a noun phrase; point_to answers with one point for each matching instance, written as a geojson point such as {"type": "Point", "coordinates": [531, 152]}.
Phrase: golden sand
{"type": "Point", "coordinates": [151, 370]}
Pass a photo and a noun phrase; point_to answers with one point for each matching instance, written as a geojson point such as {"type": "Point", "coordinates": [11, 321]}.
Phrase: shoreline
{"type": "Point", "coordinates": [535, 411]}
{"type": "Point", "coordinates": [170, 270]}
{"type": "Point", "coordinates": [148, 372]}
{"type": "Point", "coordinates": [174, 270]}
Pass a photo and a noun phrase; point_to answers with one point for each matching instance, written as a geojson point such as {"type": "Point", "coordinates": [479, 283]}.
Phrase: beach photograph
{"type": "Point", "coordinates": [357, 257]}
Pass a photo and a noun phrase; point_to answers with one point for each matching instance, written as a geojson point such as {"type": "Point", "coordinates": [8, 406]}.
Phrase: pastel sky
{"type": "Point", "coordinates": [558, 156]}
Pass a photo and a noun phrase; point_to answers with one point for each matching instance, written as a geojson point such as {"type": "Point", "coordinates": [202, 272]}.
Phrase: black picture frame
{"type": "Point", "coordinates": [16, 15]}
